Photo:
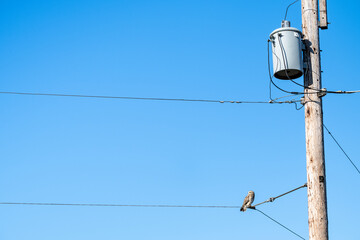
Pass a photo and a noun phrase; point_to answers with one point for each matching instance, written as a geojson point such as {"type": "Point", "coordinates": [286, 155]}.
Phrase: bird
{"type": "Point", "coordinates": [249, 199]}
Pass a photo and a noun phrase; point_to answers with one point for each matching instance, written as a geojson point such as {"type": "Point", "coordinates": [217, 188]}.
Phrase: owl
{"type": "Point", "coordinates": [249, 199]}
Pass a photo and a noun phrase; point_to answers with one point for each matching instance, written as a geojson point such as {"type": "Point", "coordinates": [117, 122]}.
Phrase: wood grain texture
{"type": "Point", "coordinates": [315, 159]}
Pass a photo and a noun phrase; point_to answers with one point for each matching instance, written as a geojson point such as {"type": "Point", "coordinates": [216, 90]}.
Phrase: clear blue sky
{"type": "Point", "coordinates": [75, 150]}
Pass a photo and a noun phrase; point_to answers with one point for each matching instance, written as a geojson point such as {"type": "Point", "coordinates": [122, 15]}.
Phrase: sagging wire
{"type": "Point", "coordinates": [288, 8]}
{"type": "Point", "coordinates": [299, 108]}
{"type": "Point", "coordinates": [292, 95]}
{"type": "Point", "coordinates": [280, 224]}
{"type": "Point", "coordinates": [131, 205]}
{"type": "Point", "coordinates": [114, 205]}
{"type": "Point", "coordinates": [337, 143]}
{"type": "Point", "coordinates": [140, 98]}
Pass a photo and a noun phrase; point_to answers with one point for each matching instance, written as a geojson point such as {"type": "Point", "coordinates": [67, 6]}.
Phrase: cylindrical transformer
{"type": "Point", "coordinates": [286, 48]}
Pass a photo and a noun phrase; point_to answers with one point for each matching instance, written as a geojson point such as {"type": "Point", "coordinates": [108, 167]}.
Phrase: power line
{"type": "Point", "coordinates": [343, 92]}
{"type": "Point", "coordinates": [280, 224]}
{"type": "Point", "coordinates": [142, 98]}
{"type": "Point", "coordinates": [114, 205]}
{"type": "Point", "coordinates": [142, 205]}
{"type": "Point", "coordinates": [132, 205]}
{"type": "Point", "coordinates": [324, 90]}
{"type": "Point", "coordinates": [342, 149]}
{"type": "Point", "coordinates": [288, 8]}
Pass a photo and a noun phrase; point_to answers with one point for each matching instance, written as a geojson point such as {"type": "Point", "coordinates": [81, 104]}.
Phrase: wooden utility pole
{"type": "Point", "coordinates": [315, 160]}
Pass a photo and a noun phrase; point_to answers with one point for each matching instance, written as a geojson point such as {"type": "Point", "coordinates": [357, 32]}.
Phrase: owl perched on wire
{"type": "Point", "coordinates": [249, 199]}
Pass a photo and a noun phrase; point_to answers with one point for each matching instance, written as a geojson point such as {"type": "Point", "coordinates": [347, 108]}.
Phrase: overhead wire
{"type": "Point", "coordinates": [147, 205]}
{"type": "Point", "coordinates": [142, 98]}
{"type": "Point", "coordinates": [332, 136]}
{"type": "Point", "coordinates": [292, 95]}
{"type": "Point", "coordinates": [306, 87]}
{"type": "Point", "coordinates": [298, 108]}
{"type": "Point", "coordinates": [280, 224]}
{"type": "Point", "coordinates": [288, 8]}
{"type": "Point", "coordinates": [133, 205]}
{"type": "Point", "coordinates": [343, 92]}
{"type": "Point", "coordinates": [115, 205]}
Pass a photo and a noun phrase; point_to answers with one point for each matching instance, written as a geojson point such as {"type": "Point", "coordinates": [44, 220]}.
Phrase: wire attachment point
{"type": "Point", "coordinates": [302, 100]}
{"type": "Point", "coordinates": [322, 92]}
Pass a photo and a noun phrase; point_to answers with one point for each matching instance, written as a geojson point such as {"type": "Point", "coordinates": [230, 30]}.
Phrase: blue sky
{"type": "Point", "coordinates": [145, 152]}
